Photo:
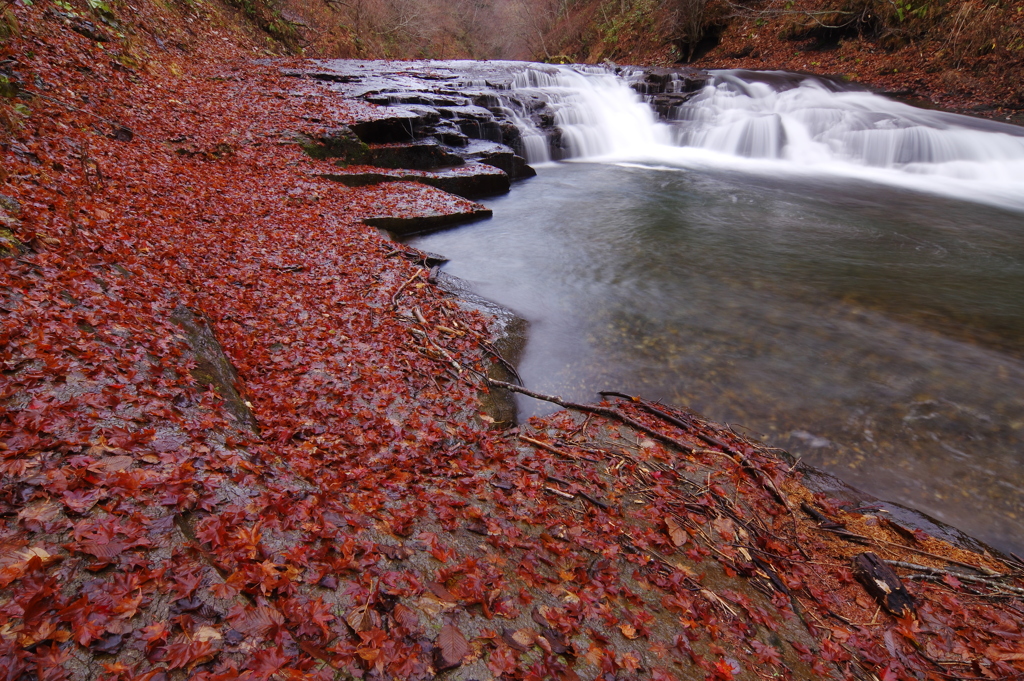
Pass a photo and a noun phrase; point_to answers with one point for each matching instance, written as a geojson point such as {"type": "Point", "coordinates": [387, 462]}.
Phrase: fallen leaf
{"type": "Point", "coordinates": [676, 532]}
{"type": "Point", "coordinates": [452, 645]}
{"type": "Point", "coordinates": [112, 463]}
{"type": "Point", "coordinates": [361, 618]}
{"type": "Point", "coordinates": [206, 633]}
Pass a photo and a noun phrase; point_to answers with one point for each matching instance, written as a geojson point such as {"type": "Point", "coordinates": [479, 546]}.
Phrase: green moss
{"type": "Point", "coordinates": [9, 244]}
{"type": "Point", "coordinates": [268, 17]}
{"type": "Point", "coordinates": [8, 24]}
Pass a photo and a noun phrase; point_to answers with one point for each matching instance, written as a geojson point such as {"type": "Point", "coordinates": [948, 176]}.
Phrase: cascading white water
{"type": "Point", "coordinates": [776, 122]}
{"type": "Point", "coordinates": [597, 113]}
{"type": "Point", "coordinates": [809, 122]}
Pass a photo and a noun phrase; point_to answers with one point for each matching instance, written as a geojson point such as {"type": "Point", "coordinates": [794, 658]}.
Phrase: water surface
{"type": "Point", "coordinates": [874, 331]}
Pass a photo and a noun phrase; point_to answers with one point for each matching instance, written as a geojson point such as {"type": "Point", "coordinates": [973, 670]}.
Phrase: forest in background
{"type": "Point", "coordinates": [968, 51]}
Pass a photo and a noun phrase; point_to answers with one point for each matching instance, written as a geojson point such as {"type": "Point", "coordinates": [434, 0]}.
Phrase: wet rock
{"type": "Point", "coordinates": [427, 116]}
{"type": "Point", "coordinates": [444, 211]}
{"type": "Point", "coordinates": [426, 98]}
{"type": "Point", "coordinates": [212, 366]}
{"type": "Point", "coordinates": [339, 143]}
{"type": "Point", "coordinates": [451, 137]}
{"type": "Point", "coordinates": [400, 126]}
{"type": "Point", "coordinates": [514, 166]}
{"type": "Point", "coordinates": [653, 81]}
{"type": "Point", "coordinates": [326, 77]}
{"type": "Point", "coordinates": [418, 156]}
{"type": "Point", "coordinates": [473, 180]}
{"type": "Point", "coordinates": [666, 104]}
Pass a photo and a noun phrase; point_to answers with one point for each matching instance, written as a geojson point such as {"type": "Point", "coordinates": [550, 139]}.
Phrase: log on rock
{"type": "Point", "coordinates": [882, 583]}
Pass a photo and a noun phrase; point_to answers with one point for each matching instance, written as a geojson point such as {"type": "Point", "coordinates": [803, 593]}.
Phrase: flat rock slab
{"type": "Point", "coordinates": [406, 208]}
{"type": "Point", "coordinates": [388, 125]}
{"type": "Point", "coordinates": [419, 156]}
{"type": "Point", "coordinates": [473, 180]}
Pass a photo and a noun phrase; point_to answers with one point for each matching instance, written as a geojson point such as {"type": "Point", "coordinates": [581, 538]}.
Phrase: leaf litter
{"type": "Point", "coordinates": [371, 524]}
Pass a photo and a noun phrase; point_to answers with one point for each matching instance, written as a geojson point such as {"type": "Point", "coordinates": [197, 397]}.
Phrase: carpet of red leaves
{"type": "Point", "coordinates": [348, 513]}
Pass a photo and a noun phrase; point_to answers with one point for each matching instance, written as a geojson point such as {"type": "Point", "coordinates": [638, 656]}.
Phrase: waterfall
{"type": "Point", "coordinates": [594, 112]}
{"type": "Point", "coordinates": [771, 122]}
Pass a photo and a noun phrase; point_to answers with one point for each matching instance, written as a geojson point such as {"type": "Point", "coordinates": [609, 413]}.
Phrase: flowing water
{"type": "Point", "coordinates": [839, 274]}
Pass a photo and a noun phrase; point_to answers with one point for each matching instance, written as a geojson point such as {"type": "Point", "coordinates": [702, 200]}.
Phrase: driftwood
{"type": "Point", "coordinates": [882, 583]}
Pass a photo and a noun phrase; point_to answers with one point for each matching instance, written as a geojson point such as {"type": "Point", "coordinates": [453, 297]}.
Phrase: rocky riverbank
{"type": "Point", "coordinates": [242, 434]}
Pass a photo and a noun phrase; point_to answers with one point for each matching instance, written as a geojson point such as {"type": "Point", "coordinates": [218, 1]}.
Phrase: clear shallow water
{"type": "Point", "coordinates": [876, 332]}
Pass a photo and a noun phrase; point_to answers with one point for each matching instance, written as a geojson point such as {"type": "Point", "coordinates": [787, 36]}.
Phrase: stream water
{"type": "Point", "coordinates": [833, 272]}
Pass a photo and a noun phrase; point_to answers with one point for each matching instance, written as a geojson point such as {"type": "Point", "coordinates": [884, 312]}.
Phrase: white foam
{"type": "Point", "coordinates": [782, 124]}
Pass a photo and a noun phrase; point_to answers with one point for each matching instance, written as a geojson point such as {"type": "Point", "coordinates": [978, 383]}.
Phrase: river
{"type": "Point", "coordinates": [865, 314]}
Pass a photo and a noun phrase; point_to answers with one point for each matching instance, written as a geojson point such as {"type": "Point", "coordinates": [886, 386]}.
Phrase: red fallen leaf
{"type": "Point", "coordinates": [362, 618]}
{"type": "Point", "coordinates": [105, 551]}
{"type": "Point", "coordinates": [80, 501]}
{"type": "Point", "coordinates": [394, 552]}
{"type": "Point", "coordinates": [109, 644]}
{"type": "Point", "coordinates": [440, 591]}
{"type": "Point", "coordinates": [630, 662]}
{"type": "Point", "coordinates": [1000, 655]}
{"type": "Point", "coordinates": [567, 674]}
{"type": "Point", "coordinates": [265, 662]}
{"type": "Point", "coordinates": [521, 639]}
{"type": "Point", "coordinates": [766, 654]}
{"type": "Point", "coordinates": [39, 513]}
{"type": "Point", "coordinates": [722, 670]}
{"type": "Point", "coordinates": [260, 621]}
{"type": "Point", "coordinates": [502, 661]}
{"type": "Point", "coordinates": [725, 527]}
{"type": "Point", "coordinates": [111, 464]}
{"type": "Point", "coordinates": [404, 616]}
{"type": "Point", "coordinates": [675, 531]}
{"type": "Point", "coordinates": [451, 647]}
{"type": "Point", "coordinates": [952, 581]}
{"type": "Point", "coordinates": [188, 655]}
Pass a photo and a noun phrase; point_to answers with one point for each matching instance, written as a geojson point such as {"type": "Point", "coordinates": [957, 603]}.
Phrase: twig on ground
{"type": "Point", "coordinates": [595, 409]}
{"type": "Point", "coordinates": [394, 296]}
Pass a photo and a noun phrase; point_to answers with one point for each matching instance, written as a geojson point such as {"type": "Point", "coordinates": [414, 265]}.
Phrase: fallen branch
{"type": "Point", "coordinates": [394, 296]}
{"type": "Point", "coordinates": [938, 572]}
{"type": "Point", "coordinates": [883, 584]}
{"type": "Point", "coordinates": [595, 409]}
{"type": "Point", "coordinates": [690, 425]}
{"type": "Point", "coordinates": [546, 446]}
